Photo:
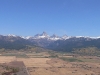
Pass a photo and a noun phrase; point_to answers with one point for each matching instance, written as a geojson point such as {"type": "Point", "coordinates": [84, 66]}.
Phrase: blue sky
{"type": "Point", "coordinates": [29, 17]}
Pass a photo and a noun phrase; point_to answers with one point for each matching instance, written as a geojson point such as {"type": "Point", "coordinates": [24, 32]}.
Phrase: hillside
{"type": "Point", "coordinates": [65, 45]}
{"type": "Point", "coordinates": [70, 44]}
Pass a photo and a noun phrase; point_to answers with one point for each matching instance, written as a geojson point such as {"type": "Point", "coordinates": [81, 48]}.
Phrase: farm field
{"type": "Point", "coordinates": [60, 67]}
{"type": "Point", "coordinates": [35, 62]}
{"type": "Point", "coordinates": [44, 63]}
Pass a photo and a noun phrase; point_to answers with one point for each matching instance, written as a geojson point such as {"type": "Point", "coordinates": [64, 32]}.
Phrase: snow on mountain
{"type": "Point", "coordinates": [23, 37]}
{"type": "Point", "coordinates": [41, 36]}
{"type": "Point", "coordinates": [87, 37]}
{"type": "Point", "coordinates": [55, 37]}
{"type": "Point", "coordinates": [12, 35]}
{"type": "Point", "coordinates": [79, 36]}
{"type": "Point", "coordinates": [28, 37]}
{"type": "Point", "coordinates": [65, 37]}
{"type": "Point", "coordinates": [95, 37]}
{"type": "Point", "coordinates": [83, 37]}
{"type": "Point", "coordinates": [98, 37]}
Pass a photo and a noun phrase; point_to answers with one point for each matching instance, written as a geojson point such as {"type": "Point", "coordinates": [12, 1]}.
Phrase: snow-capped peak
{"type": "Point", "coordinates": [23, 37]}
{"type": "Point", "coordinates": [41, 36]}
{"type": "Point", "coordinates": [44, 34]}
{"type": "Point", "coordinates": [55, 37]}
{"type": "Point", "coordinates": [95, 37]}
{"type": "Point", "coordinates": [11, 35]}
{"type": "Point", "coordinates": [65, 37]}
{"type": "Point", "coordinates": [28, 37]}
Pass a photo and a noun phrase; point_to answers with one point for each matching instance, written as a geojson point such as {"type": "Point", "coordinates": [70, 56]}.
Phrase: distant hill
{"type": "Point", "coordinates": [87, 51]}
{"type": "Point", "coordinates": [68, 45]}
{"type": "Point", "coordinates": [10, 42]}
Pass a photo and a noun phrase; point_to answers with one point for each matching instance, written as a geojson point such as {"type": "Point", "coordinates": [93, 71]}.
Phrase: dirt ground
{"type": "Point", "coordinates": [13, 68]}
{"type": "Point", "coordinates": [59, 67]}
{"type": "Point", "coordinates": [7, 59]}
{"type": "Point", "coordinates": [56, 66]}
{"type": "Point", "coordinates": [35, 62]}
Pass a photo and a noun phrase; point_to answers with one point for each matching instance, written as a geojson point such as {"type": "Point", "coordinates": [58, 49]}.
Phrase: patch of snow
{"type": "Point", "coordinates": [65, 37]}
{"type": "Point", "coordinates": [12, 35]}
{"type": "Point", "coordinates": [28, 37]}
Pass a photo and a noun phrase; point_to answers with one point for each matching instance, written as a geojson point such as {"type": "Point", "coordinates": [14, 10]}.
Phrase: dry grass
{"type": "Point", "coordinates": [56, 66]}
{"type": "Point", "coordinates": [6, 59]}
{"type": "Point", "coordinates": [60, 67]}
{"type": "Point", "coordinates": [37, 55]}
{"type": "Point", "coordinates": [35, 62]}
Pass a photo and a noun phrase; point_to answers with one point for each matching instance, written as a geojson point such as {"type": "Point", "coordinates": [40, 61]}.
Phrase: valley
{"type": "Point", "coordinates": [49, 55]}
{"type": "Point", "coordinates": [48, 62]}
{"type": "Point", "coordinates": [49, 37]}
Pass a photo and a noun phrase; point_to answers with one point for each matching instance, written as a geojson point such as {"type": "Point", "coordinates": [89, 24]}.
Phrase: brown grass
{"type": "Point", "coordinates": [55, 66]}
{"type": "Point", "coordinates": [6, 59]}
{"type": "Point", "coordinates": [35, 62]}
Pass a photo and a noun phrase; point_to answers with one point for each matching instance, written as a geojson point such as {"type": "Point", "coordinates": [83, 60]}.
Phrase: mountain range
{"type": "Point", "coordinates": [54, 37]}
{"type": "Point", "coordinates": [54, 42]}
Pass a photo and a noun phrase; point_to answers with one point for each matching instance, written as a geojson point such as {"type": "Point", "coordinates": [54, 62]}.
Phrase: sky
{"type": "Point", "coordinates": [70, 17]}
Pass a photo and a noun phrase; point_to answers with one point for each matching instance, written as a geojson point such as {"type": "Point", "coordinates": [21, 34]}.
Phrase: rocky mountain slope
{"type": "Point", "coordinates": [54, 42]}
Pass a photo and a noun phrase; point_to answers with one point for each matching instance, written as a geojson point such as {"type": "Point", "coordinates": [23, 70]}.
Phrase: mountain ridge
{"type": "Point", "coordinates": [57, 43]}
{"type": "Point", "coordinates": [53, 37]}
